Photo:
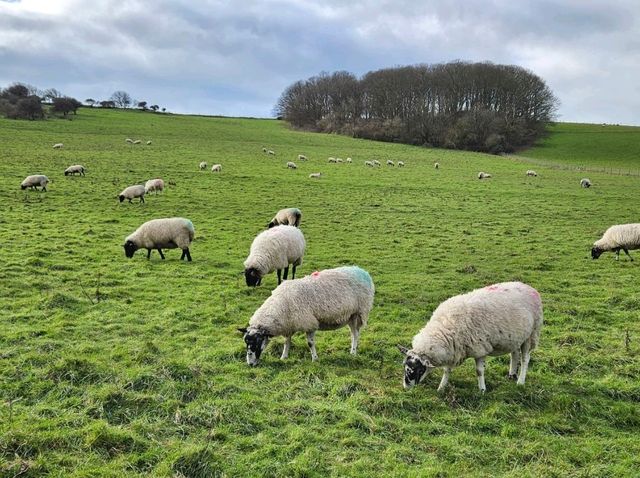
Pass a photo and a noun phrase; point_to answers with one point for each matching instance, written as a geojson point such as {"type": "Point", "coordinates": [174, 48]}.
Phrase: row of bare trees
{"type": "Point", "coordinates": [475, 106]}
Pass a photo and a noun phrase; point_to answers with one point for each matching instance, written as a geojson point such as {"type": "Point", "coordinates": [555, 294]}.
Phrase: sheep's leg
{"type": "Point", "coordinates": [626, 251]}
{"type": "Point", "coordinates": [148, 254]}
{"type": "Point", "coordinates": [293, 272]}
{"type": "Point", "coordinates": [480, 374]}
{"type": "Point", "coordinates": [285, 350]}
{"type": "Point", "coordinates": [286, 272]}
{"type": "Point", "coordinates": [355, 335]}
{"type": "Point", "coordinates": [129, 200]}
{"type": "Point", "coordinates": [524, 362]}
{"type": "Point", "coordinates": [513, 366]}
{"type": "Point", "coordinates": [445, 379]}
{"type": "Point", "coordinates": [279, 272]}
{"type": "Point", "coordinates": [311, 342]}
{"type": "Point", "coordinates": [141, 199]}
{"type": "Point", "coordinates": [186, 253]}
{"type": "Point", "coordinates": [618, 254]}
{"type": "Point", "coordinates": [161, 254]}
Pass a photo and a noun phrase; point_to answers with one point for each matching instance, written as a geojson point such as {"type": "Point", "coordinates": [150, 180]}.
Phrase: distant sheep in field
{"type": "Point", "coordinates": [148, 143]}
{"type": "Point", "coordinates": [585, 183]}
{"type": "Point", "coordinates": [349, 160]}
{"type": "Point", "coordinates": [216, 168]}
{"type": "Point", "coordinates": [129, 140]}
{"type": "Point", "coordinates": [72, 170]}
{"type": "Point", "coordinates": [401, 164]}
{"type": "Point", "coordinates": [166, 233]}
{"type": "Point", "coordinates": [34, 181]}
{"type": "Point", "coordinates": [58, 146]}
{"type": "Point", "coordinates": [376, 162]}
{"type": "Point", "coordinates": [495, 320]}
{"type": "Point", "coordinates": [390, 163]}
{"type": "Point", "coordinates": [154, 185]}
{"type": "Point", "coordinates": [339, 160]}
{"type": "Point", "coordinates": [286, 217]}
{"type": "Point", "coordinates": [436, 165]}
{"type": "Point", "coordinates": [483, 175]}
{"type": "Point", "coordinates": [315, 175]}
{"type": "Point", "coordinates": [368, 163]}
{"type": "Point", "coordinates": [132, 192]}
{"type": "Point", "coordinates": [292, 165]}
{"type": "Point", "coordinates": [203, 165]}
{"type": "Point", "coordinates": [264, 150]}
{"type": "Point", "coordinates": [302, 157]}
{"type": "Point", "coordinates": [531, 172]}
{"type": "Point", "coordinates": [333, 160]}
{"type": "Point", "coordinates": [137, 141]}
{"type": "Point", "coordinates": [622, 236]}
{"type": "Point", "coordinates": [271, 153]}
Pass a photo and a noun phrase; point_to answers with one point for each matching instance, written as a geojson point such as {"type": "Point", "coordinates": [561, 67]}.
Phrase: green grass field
{"type": "Point", "coordinates": [117, 367]}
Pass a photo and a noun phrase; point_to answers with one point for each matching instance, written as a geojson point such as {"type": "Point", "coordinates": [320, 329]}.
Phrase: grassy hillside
{"type": "Point", "coordinates": [117, 367]}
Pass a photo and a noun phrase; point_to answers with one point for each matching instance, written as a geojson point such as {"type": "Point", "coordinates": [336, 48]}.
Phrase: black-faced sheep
{"type": "Point", "coordinates": [166, 233]}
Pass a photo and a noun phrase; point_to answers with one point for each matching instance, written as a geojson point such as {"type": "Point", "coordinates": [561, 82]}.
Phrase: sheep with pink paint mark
{"type": "Point", "coordinates": [500, 319]}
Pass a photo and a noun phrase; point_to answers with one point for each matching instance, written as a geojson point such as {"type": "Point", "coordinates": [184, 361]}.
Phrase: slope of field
{"type": "Point", "coordinates": [117, 367]}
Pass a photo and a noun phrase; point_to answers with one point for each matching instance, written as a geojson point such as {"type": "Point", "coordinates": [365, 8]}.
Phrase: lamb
{"type": "Point", "coordinates": [483, 175]}
{"type": "Point", "coordinates": [333, 160]}
{"type": "Point", "coordinates": [129, 140]}
{"type": "Point", "coordinates": [390, 163]}
{"type": "Point", "coordinates": [166, 233]}
{"type": "Point", "coordinates": [401, 164]}
{"type": "Point", "coordinates": [286, 217]}
{"type": "Point", "coordinates": [368, 163]}
{"type": "Point", "coordinates": [585, 183]}
{"type": "Point", "coordinates": [349, 160]}
{"type": "Point", "coordinates": [531, 172]}
{"type": "Point", "coordinates": [58, 146]}
{"type": "Point", "coordinates": [132, 192]}
{"type": "Point", "coordinates": [137, 141]}
{"type": "Point", "coordinates": [271, 153]}
{"type": "Point", "coordinates": [274, 249]}
{"type": "Point", "coordinates": [34, 181]}
{"type": "Point", "coordinates": [72, 170]}
{"type": "Point", "coordinates": [436, 165]}
{"type": "Point", "coordinates": [203, 165]}
{"type": "Point", "coordinates": [621, 236]}
{"type": "Point", "coordinates": [376, 162]}
{"type": "Point", "coordinates": [315, 175]}
{"type": "Point", "coordinates": [495, 320]}
{"type": "Point", "coordinates": [292, 165]}
{"type": "Point", "coordinates": [216, 168]}
{"type": "Point", "coordinates": [302, 157]}
{"type": "Point", "coordinates": [154, 185]}
{"type": "Point", "coordinates": [324, 300]}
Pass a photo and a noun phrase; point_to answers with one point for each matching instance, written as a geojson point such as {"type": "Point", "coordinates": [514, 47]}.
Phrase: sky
{"type": "Point", "coordinates": [235, 58]}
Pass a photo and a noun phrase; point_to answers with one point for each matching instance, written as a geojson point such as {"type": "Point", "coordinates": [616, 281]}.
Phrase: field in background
{"type": "Point", "coordinates": [117, 367]}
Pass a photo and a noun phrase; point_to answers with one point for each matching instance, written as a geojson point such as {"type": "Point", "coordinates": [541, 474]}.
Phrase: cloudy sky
{"type": "Point", "coordinates": [236, 57]}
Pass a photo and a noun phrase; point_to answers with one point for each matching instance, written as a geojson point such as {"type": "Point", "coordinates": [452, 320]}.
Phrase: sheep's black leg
{"type": "Point", "coordinates": [129, 200]}
{"type": "Point", "coordinates": [293, 272]}
{"type": "Point", "coordinates": [148, 253]}
{"type": "Point", "coordinates": [141, 199]}
{"type": "Point", "coordinates": [279, 272]}
{"type": "Point", "coordinates": [182, 256]}
{"type": "Point", "coordinates": [618, 254]}
{"type": "Point", "coordinates": [186, 251]}
{"type": "Point", "coordinates": [161, 254]}
{"type": "Point", "coordinates": [286, 272]}
{"type": "Point", "coordinates": [626, 251]}
{"type": "Point", "coordinates": [44, 188]}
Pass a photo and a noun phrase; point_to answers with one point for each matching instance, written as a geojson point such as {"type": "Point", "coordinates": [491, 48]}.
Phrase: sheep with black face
{"type": "Point", "coordinates": [158, 234]}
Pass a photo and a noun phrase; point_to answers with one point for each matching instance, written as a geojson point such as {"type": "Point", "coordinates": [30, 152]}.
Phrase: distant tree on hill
{"type": "Point", "coordinates": [17, 89]}
{"type": "Point", "coordinates": [51, 94]}
{"type": "Point", "coordinates": [18, 102]}
{"type": "Point", "coordinates": [107, 104]}
{"type": "Point", "coordinates": [121, 99]}
{"type": "Point", "coordinates": [164, 109]}
{"type": "Point", "coordinates": [90, 101]}
{"type": "Point", "coordinates": [142, 105]}
{"type": "Point", "coordinates": [66, 105]}
{"type": "Point", "coordinates": [154, 107]}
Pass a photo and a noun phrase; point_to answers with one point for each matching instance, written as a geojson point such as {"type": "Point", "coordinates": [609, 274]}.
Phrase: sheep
{"type": "Point", "coordinates": [148, 142]}
{"type": "Point", "coordinates": [621, 236]}
{"type": "Point", "coordinates": [166, 233]}
{"type": "Point", "coordinates": [286, 217]}
{"type": "Point", "coordinates": [390, 163]}
{"type": "Point", "coordinates": [333, 160]}
{"type": "Point", "coordinates": [401, 164]}
{"type": "Point", "coordinates": [302, 157]}
{"type": "Point", "coordinates": [483, 175]}
{"type": "Point", "coordinates": [274, 249]}
{"type": "Point", "coordinates": [203, 165]}
{"type": "Point", "coordinates": [585, 183]}
{"type": "Point", "coordinates": [34, 181]}
{"type": "Point", "coordinates": [129, 140]}
{"type": "Point", "coordinates": [271, 153]}
{"type": "Point", "coordinates": [339, 160]}
{"type": "Point", "coordinates": [72, 170]}
{"type": "Point", "coordinates": [264, 150]}
{"type": "Point", "coordinates": [132, 192]}
{"type": "Point", "coordinates": [376, 162]}
{"type": "Point", "coordinates": [137, 141]}
{"type": "Point", "coordinates": [368, 163]}
{"type": "Point", "coordinates": [531, 172]}
{"type": "Point", "coordinates": [325, 300]}
{"type": "Point", "coordinates": [495, 320]}
{"type": "Point", "coordinates": [216, 168]}
{"type": "Point", "coordinates": [315, 175]}
{"type": "Point", "coordinates": [154, 185]}
{"type": "Point", "coordinates": [292, 165]}
{"type": "Point", "coordinates": [349, 160]}
{"type": "Point", "coordinates": [58, 146]}
{"type": "Point", "coordinates": [436, 165]}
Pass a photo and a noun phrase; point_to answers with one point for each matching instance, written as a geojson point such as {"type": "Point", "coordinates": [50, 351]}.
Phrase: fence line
{"type": "Point", "coordinates": [573, 167]}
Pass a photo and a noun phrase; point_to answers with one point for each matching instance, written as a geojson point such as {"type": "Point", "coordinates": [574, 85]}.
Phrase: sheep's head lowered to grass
{"type": "Point", "coordinates": [252, 276]}
{"type": "Point", "coordinates": [130, 248]}
{"type": "Point", "coordinates": [256, 340]}
{"type": "Point", "coordinates": [415, 367]}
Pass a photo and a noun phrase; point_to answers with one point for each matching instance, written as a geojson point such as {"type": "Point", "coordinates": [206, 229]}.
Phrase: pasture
{"type": "Point", "coordinates": [127, 367]}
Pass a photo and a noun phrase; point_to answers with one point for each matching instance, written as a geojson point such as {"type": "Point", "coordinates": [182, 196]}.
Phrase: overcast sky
{"type": "Point", "coordinates": [235, 57]}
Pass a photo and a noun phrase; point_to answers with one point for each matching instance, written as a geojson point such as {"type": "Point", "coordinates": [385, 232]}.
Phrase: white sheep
{"type": "Point", "coordinates": [315, 175]}
{"type": "Point", "coordinates": [368, 163]}
{"type": "Point", "coordinates": [154, 185]}
{"type": "Point", "coordinates": [302, 157]}
{"type": "Point", "coordinates": [495, 320]}
{"type": "Point", "coordinates": [325, 300]}
{"type": "Point", "coordinates": [136, 191]}
{"type": "Point", "coordinates": [34, 181]}
{"type": "Point", "coordinates": [203, 165]}
{"type": "Point", "coordinates": [271, 153]}
{"type": "Point", "coordinates": [264, 150]}
{"type": "Point", "coordinates": [290, 216]}
{"type": "Point", "coordinates": [349, 160]}
{"type": "Point", "coordinates": [339, 160]}
{"type": "Point", "coordinates": [137, 141]}
{"type": "Point", "coordinates": [216, 168]}
{"type": "Point", "coordinates": [401, 164]}
{"type": "Point", "coordinates": [376, 162]}
{"type": "Point", "coordinates": [72, 170]}
{"type": "Point", "coordinates": [292, 165]}
{"type": "Point", "coordinates": [531, 172]}
{"type": "Point", "coordinates": [483, 175]}
{"type": "Point", "coordinates": [148, 142]}
{"type": "Point", "coordinates": [390, 163]}
{"type": "Point", "coordinates": [333, 160]}
{"type": "Point", "coordinates": [621, 236]}
{"type": "Point", "coordinates": [585, 183]}
{"type": "Point", "coordinates": [166, 233]}
{"type": "Point", "coordinates": [274, 249]}
{"type": "Point", "coordinates": [58, 146]}
{"type": "Point", "coordinates": [436, 165]}
{"type": "Point", "coordinates": [129, 140]}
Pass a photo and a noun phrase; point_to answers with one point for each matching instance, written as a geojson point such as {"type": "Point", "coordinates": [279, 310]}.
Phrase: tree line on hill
{"type": "Point", "coordinates": [20, 101]}
{"type": "Point", "coordinates": [459, 105]}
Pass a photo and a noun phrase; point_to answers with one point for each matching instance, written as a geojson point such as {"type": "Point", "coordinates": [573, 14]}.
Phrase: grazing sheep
{"type": "Point", "coordinates": [302, 157]}
{"type": "Point", "coordinates": [148, 143]}
{"type": "Point", "coordinates": [129, 140]}
{"type": "Point", "coordinates": [531, 172]}
{"type": "Point", "coordinates": [325, 300]}
{"type": "Point", "coordinates": [137, 141]}
{"type": "Point", "coordinates": [286, 217]}
{"type": "Point", "coordinates": [483, 175]}
{"type": "Point", "coordinates": [203, 165]}
{"type": "Point", "coordinates": [376, 162]}
{"type": "Point", "coordinates": [271, 153]}
{"type": "Point", "coordinates": [368, 163]}
{"type": "Point", "coordinates": [496, 320]}
{"type": "Point", "coordinates": [315, 175]}
{"type": "Point", "coordinates": [154, 185]}
{"type": "Point", "coordinates": [166, 233]}
{"type": "Point", "coordinates": [274, 249]}
{"type": "Point", "coordinates": [216, 168]}
{"type": "Point", "coordinates": [436, 165]}
{"type": "Point", "coordinates": [58, 146]}
{"type": "Point", "coordinates": [34, 181]}
{"type": "Point", "coordinates": [390, 163]}
{"type": "Point", "coordinates": [621, 236]}
{"type": "Point", "coordinates": [585, 183]}
{"type": "Point", "coordinates": [333, 160]}
{"type": "Point", "coordinates": [264, 150]}
{"type": "Point", "coordinates": [339, 160]}
{"type": "Point", "coordinates": [72, 170]}
{"type": "Point", "coordinates": [349, 160]}
{"type": "Point", "coordinates": [401, 164]}
{"type": "Point", "coordinates": [136, 191]}
{"type": "Point", "coordinates": [292, 165]}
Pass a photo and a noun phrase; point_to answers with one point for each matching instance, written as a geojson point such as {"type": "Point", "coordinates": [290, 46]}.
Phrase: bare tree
{"type": "Point", "coordinates": [121, 99]}
{"type": "Point", "coordinates": [90, 101]}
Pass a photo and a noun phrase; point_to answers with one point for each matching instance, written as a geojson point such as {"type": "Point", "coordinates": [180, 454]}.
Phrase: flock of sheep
{"type": "Point", "coordinates": [504, 318]}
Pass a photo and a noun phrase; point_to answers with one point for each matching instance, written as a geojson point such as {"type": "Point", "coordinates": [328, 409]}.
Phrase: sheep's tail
{"type": "Point", "coordinates": [192, 231]}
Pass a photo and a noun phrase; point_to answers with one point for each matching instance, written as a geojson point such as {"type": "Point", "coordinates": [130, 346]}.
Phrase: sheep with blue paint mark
{"type": "Point", "coordinates": [325, 300]}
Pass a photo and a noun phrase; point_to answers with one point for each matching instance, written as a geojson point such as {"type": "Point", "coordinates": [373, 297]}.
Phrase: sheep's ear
{"type": "Point", "coordinates": [403, 350]}
{"type": "Point", "coordinates": [242, 330]}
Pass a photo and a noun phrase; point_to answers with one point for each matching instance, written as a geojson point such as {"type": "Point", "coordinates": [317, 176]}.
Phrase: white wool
{"type": "Point", "coordinates": [623, 236]}
{"type": "Point", "coordinates": [165, 233]}
{"type": "Point", "coordinates": [216, 168]}
{"type": "Point", "coordinates": [137, 141]}
{"type": "Point", "coordinates": [585, 183]}
{"type": "Point", "coordinates": [400, 164]}
{"type": "Point", "coordinates": [154, 185]}
{"type": "Point", "coordinates": [34, 181]}
{"type": "Point", "coordinates": [290, 216]}
{"type": "Point", "coordinates": [203, 165]}
{"type": "Point", "coordinates": [531, 172]}
{"type": "Point", "coordinates": [436, 165]}
{"type": "Point", "coordinates": [292, 165]}
{"type": "Point", "coordinates": [333, 160]}
{"type": "Point", "coordinates": [76, 168]}
{"type": "Point", "coordinates": [339, 160]}
{"type": "Point", "coordinates": [368, 163]}
{"type": "Point", "coordinates": [390, 163]}
{"type": "Point", "coordinates": [376, 162]}
{"type": "Point", "coordinates": [349, 160]}
{"type": "Point", "coordinates": [276, 248]}
{"type": "Point", "coordinates": [136, 191]}
{"type": "Point", "coordinates": [129, 140]}
{"type": "Point", "coordinates": [148, 143]}
{"type": "Point", "coordinates": [302, 157]}
{"type": "Point", "coordinates": [315, 175]}
{"type": "Point", "coordinates": [58, 146]}
{"type": "Point", "coordinates": [272, 153]}
{"type": "Point", "coordinates": [483, 175]}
